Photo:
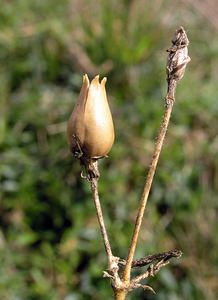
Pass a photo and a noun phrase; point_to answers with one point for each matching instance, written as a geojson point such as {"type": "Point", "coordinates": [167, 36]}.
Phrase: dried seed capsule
{"type": "Point", "coordinates": [90, 129]}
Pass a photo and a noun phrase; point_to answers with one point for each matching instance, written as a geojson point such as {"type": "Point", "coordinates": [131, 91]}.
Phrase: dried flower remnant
{"type": "Point", "coordinates": [176, 62]}
{"type": "Point", "coordinates": [90, 129]}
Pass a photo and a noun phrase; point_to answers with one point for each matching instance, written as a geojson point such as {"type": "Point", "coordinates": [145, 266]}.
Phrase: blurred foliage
{"type": "Point", "coordinates": [50, 246]}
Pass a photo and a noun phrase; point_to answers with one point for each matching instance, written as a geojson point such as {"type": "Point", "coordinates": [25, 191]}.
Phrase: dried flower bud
{"type": "Point", "coordinates": [90, 129]}
{"type": "Point", "coordinates": [178, 56]}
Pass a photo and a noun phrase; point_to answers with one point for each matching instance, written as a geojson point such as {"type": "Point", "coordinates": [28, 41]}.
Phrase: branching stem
{"type": "Point", "coordinates": [176, 64]}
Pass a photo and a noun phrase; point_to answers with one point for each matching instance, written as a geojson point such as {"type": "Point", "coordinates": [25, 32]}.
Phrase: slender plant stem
{"type": "Point", "coordinates": [120, 295]}
{"type": "Point", "coordinates": [147, 187]}
{"type": "Point", "coordinates": [176, 63]}
{"type": "Point", "coordinates": [94, 188]}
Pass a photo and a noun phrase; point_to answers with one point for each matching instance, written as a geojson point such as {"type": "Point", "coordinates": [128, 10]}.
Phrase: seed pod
{"type": "Point", "coordinates": [90, 129]}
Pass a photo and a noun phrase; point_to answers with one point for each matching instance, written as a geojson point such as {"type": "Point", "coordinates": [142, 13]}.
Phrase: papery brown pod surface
{"type": "Point", "coordinates": [90, 129]}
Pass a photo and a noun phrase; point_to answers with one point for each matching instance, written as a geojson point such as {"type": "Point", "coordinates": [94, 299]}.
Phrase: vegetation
{"type": "Point", "coordinates": [50, 246]}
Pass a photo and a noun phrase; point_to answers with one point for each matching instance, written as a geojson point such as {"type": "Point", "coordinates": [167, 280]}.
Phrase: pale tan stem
{"type": "Point", "coordinates": [147, 187]}
{"type": "Point", "coordinates": [120, 295]}
{"type": "Point", "coordinates": [94, 187]}
{"type": "Point", "coordinates": [176, 63]}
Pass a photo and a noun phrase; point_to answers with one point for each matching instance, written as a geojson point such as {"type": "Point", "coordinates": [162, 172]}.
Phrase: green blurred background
{"type": "Point", "coordinates": [50, 246]}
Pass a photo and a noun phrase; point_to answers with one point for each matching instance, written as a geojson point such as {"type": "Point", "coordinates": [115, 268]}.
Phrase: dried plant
{"type": "Point", "coordinates": [91, 135]}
